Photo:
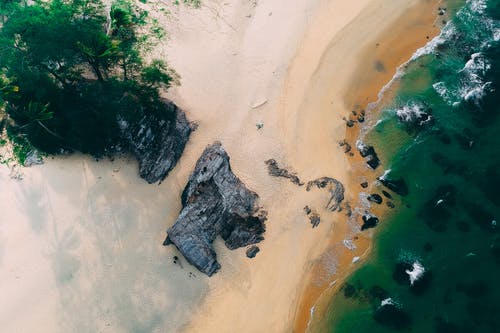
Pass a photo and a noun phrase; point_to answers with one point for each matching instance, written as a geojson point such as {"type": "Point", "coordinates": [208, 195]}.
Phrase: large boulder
{"type": "Point", "coordinates": [215, 202]}
{"type": "Point", "coordinates": [157, 141]}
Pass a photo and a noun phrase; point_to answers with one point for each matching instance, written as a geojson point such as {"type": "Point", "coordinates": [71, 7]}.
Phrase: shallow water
{"type": "Point", "coordinates": [440, 134]}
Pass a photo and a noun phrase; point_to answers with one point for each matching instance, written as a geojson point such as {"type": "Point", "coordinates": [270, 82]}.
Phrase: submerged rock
{"type": "Point", "coordinates": [335, 188]}
{"type": "Point", "coordinates": [391, 315]}
{"type": "Point", "coordinates": [369, 154]}
{"type": "Point", "coordinates": [215, 202]}
{"type": "Point", "coordinates": [276, 171]}
{"type": "Point", "coordinates": [157, 143]}
{"type": "Point", "coordinates": [398, 186]}
{"type": "Point", "coordinates": [315, 219]}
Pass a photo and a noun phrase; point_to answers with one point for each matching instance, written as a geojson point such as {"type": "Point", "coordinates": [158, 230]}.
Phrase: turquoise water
{"type": "Point", "coordinates": [442, 138]}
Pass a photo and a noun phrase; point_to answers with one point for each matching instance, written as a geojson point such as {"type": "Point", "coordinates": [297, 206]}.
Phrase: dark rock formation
{"type": "Point", "coordinates": [369, 154]}
{"type": "Point", "coordinates": [215, 202]}
{"type": "Point", "coordinates": [252, 251]}
{"type": "Point", "coordinates": [336, 191]}
{"type": "Point", "coordinates": [398, 186]}
{"type": "Point", "coordinates": [314, 217]}
{"type": "Point", "coordinates": [157, 143]}
{"type": "Point", "coordinates": [376, 198]}
{"type": "Point", "coordinates": [347, 146]}
{"type": "Point", "coordinates": [276, 171]}
{"type": "Point", "coordinates": [391, 315]}
{"type": "Point", "coordinates": [369, 221]}
{"type": "Point", "coordinates": [361, 117]}
{"type": "Point", "coordinates": [386, 194]}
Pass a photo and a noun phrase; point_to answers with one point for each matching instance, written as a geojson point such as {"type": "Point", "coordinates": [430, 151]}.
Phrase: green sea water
{"type": "Point", "coordinates": [441, 135]}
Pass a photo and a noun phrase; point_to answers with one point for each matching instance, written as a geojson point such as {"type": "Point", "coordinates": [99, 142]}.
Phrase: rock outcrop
{"type": "Point", "coordinates": [369, 154]}
{"type": "Point", "coordinates": [335, 188]}
{"type": "Point", "coordinates": [252, 251]}
{"type": "Point", "coordinates": [376, 198]}
{"type": "Point", "coordinates": [275, 171]}
{"type": "Point", "coordinates": [157, 142]}
{"type": "Point", "coordinates": [369, 221]}
{"type": "Point", "coordinates": [398, 186]}
{"type": "Point", "coordinates": [215, 202]}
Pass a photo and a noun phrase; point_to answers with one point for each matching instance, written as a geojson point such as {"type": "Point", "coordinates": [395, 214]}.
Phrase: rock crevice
{"type": "Point", "coordinates": [215, 202]}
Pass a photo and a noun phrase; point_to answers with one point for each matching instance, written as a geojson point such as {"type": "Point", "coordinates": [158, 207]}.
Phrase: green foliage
{"type": "Point", "coordinates": [194, 3]}
{"type": "Point", "coordinates": [68, 73]}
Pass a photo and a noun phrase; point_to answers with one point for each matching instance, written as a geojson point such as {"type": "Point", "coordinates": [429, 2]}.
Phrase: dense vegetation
{"type": "Point", "coordinates": [71, 70]}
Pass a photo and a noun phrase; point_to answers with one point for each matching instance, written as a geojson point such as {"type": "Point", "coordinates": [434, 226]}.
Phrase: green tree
{"type": "Point", "coordinates": [69, 70]}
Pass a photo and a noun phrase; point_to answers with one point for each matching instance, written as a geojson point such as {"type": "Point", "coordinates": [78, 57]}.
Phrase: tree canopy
{"type": "Point", "coordinates": [71, 69]}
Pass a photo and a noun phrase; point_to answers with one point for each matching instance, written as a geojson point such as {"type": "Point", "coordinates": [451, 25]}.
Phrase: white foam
{"type": "Point", "coordinates": [387, 301]}
{"type": "Point", "coordinates": [412, 112]}
{"type": "Point", "coordinates": [416, 272]}
{"type": "Point", "coordinates": [386, 173]}
{"type": "Point", "coordinates": [349, 244]}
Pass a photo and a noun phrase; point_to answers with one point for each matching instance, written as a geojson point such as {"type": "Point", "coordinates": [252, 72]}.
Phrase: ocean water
{"type": "Point", "coordinates": [435, 265]}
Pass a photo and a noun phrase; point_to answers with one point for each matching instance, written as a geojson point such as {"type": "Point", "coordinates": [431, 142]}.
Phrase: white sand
{"type": "Point", "coordinates": [79, 253]}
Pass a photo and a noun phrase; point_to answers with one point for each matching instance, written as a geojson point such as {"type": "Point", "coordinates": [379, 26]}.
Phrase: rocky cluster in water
{"type": "Point", "coordinates": [215, 202]}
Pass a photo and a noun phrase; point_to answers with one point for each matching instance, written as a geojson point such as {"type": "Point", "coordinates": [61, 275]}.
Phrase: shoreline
{"type": "Point", "coordinates": [241, 64]}
{"type": "Point", "coordinates": [370, 89]}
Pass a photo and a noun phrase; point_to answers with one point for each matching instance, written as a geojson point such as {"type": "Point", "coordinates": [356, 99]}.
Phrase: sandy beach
{"type": "Point", "coordinates": [80, 240]}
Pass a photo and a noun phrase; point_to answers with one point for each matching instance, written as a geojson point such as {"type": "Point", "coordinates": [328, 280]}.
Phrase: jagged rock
{"type": "Point", "coordinates": [33, 158]}
{"type": "Point", "coordinates": [347, 146]}
{"type": "Point", "coordinates": [215, 202]}
{"type": "Point", "coordinates": [275, 171]}
{"type": "Point", "coordinates": [315, 219]}
{"type": "Point", "coordinates": [369, 154]}
{"type": "Point", "coordinates": [398, 186]}
{"type": "Point", "coordinates": [369, 221]}
{"type": "Point", "coordinates": [336, 191]}
{"type": "Point", "coordinates": [376, 198]}
{"type": "Point", "coordinates": [252, 251]}
{"type": "Point", "coordinates": [157, 142]}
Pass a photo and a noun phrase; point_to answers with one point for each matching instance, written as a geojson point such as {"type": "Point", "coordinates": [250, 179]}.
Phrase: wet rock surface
{"type": "Point", "coordinates": [275, 171]}
{"type": "Point", "coordinates": [369, 221]}
{"type": "Point", "coordinates": [314, 217]}
{"type": "Point", "coordinates": [215, 202]}
{"type": "Point", "coordinates": [335, 188]}
{"type": "Point", "coordinates": [375, 198]}
{"type": "Point", "coordinates": [157, 143]}
{"type": "Point", "coordinates": [369, 154]}
{"type": "Point", "coordinates": [252, 251]}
